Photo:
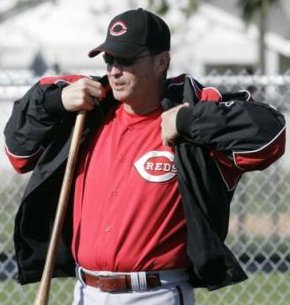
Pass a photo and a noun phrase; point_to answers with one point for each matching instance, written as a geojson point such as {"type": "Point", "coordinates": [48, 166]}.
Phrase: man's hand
{"type": "Point", "coordinates": [82, 95]}
{"type": "Point", "coordinates": [168, 124]}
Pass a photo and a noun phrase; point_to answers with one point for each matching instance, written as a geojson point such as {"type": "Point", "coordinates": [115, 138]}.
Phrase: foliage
{"type": "Point", "coordinates": [188, 7]}
{"type": "Point", "coordinates": [251, 8]}
{"type": "Point", "coordinates": [161, 7]}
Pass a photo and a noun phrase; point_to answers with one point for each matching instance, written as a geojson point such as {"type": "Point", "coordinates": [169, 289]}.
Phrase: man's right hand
{"type": "Point", "coordinates": [82, 95]}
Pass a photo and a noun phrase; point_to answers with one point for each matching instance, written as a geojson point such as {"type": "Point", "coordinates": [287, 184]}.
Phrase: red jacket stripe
{"type": "Point", "coordinates": [49, 80]}
{"type": "Point", "coordinates": [255, 160]}
{"type": "Point", "coordinates": [23, 164]}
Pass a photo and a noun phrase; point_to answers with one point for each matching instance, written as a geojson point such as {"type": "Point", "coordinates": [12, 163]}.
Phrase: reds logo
{"type": "Point", "coordinates": [118, 28]}
{"type": "Point", "coordinates": [156, 166]}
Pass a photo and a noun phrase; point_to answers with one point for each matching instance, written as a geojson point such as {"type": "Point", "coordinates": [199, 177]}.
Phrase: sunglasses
{"type": "Point", "coordinates": [122, 61]}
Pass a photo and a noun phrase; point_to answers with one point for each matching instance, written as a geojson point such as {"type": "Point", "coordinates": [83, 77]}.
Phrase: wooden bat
{"type": "Point", "coordinates": [42, 295]}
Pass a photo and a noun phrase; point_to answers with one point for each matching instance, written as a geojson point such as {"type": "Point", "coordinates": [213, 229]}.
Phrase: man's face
{"type": "Point", "coordinates": [131, 83]}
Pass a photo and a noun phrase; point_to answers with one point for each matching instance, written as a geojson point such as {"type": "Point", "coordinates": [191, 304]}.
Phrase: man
{"type": "Point", "coordinates": [152, 191]}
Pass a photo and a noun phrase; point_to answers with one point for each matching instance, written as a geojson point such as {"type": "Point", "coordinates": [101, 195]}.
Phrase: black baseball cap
{"type": "Point", "coordinates": [134, 31]}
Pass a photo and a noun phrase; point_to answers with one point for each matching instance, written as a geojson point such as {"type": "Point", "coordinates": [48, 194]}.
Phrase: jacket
{"type": "Point", "coordinates": [219, 141]}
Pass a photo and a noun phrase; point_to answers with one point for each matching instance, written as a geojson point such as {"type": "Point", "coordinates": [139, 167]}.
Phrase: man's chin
{"type": "Point", "coordinates": [119, 95]}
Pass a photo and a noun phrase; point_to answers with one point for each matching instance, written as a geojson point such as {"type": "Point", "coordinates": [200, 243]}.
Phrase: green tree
{"type": "Point", "coordinates": [260, 9]}
{"type": "Point", "coordinates": [162, 6]}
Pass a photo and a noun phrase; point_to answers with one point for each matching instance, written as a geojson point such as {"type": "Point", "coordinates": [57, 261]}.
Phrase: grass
{"type": "Point", "coordinates": [61, 292]}
{"type": "Point", "coordinates": [260, 289]}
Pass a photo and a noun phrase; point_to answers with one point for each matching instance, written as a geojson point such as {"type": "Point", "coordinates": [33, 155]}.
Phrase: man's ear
{"type": "Point", "coordinates": [163, 61]}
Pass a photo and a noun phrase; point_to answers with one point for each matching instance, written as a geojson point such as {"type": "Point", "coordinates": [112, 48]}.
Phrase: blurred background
{"type": "Point", "coordinates": [55, 35]}
{"type": "Point", "coordinates": [232, 45]}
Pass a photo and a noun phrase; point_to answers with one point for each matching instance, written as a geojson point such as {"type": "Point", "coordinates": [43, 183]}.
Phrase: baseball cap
{"type": "Point", "coordinates": [134, 31]}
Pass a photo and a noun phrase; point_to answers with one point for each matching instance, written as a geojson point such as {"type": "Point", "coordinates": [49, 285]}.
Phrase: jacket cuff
{"type": "Point", "coordinates": [53, 102]}
{"type": "Point", "coordinates": [184, 121]}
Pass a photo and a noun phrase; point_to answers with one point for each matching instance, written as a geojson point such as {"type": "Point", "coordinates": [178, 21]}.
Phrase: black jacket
{"type": "Point", "coordinates": [219, 141]}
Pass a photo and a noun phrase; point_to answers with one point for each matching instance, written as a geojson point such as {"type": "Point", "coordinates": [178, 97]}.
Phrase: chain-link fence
{"type": "Point", "coordinates": [260, 218]}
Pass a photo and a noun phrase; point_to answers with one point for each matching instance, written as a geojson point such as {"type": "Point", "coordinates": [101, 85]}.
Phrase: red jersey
{"type": "Point", "coordinates": [127, 207]}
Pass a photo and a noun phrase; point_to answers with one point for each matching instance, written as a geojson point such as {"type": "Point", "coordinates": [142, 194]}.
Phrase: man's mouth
{"type": "Point", "coordinates": [118, 86]}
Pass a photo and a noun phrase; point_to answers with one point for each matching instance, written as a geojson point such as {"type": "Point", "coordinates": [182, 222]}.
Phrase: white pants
{"type": "Point", "coordinates": [175, 290]}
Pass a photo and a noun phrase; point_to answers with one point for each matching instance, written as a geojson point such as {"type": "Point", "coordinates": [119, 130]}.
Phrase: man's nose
{"type": "Point", "coordinates": [115, 68]}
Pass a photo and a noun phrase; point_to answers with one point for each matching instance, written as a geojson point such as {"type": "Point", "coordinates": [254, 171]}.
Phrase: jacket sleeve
{"type": "Point", "coordinates": [34, 120]}
{"type": "Point", "coordinates": [246, 135]}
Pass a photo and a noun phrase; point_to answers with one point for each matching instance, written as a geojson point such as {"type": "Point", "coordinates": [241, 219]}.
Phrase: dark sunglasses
{"type": "Point", "coordinates": [122, 61]}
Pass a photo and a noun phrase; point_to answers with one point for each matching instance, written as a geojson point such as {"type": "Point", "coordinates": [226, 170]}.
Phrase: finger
{"type": "Point", "coordinates": [90, 103]}
{"type": "Point", "coordinates": [89, 87]}
{"type": "Point", "coordinates": [167, 142]}
{"type": "Point", "coordinates": [96, 89]}
{"type": "Point", "coordinates": [186, 104]}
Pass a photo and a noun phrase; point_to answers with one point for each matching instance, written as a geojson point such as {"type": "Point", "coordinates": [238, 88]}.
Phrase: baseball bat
{"type": "Point", "coordinates": [42, 295]}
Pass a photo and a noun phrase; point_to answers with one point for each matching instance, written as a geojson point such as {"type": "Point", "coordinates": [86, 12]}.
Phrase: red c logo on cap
{"type": "Point", "coordinates": [118, 28]}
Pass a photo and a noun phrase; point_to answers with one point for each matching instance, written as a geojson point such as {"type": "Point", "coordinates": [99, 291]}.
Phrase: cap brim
{"type": "Point", "coordinates": [117, 48]}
